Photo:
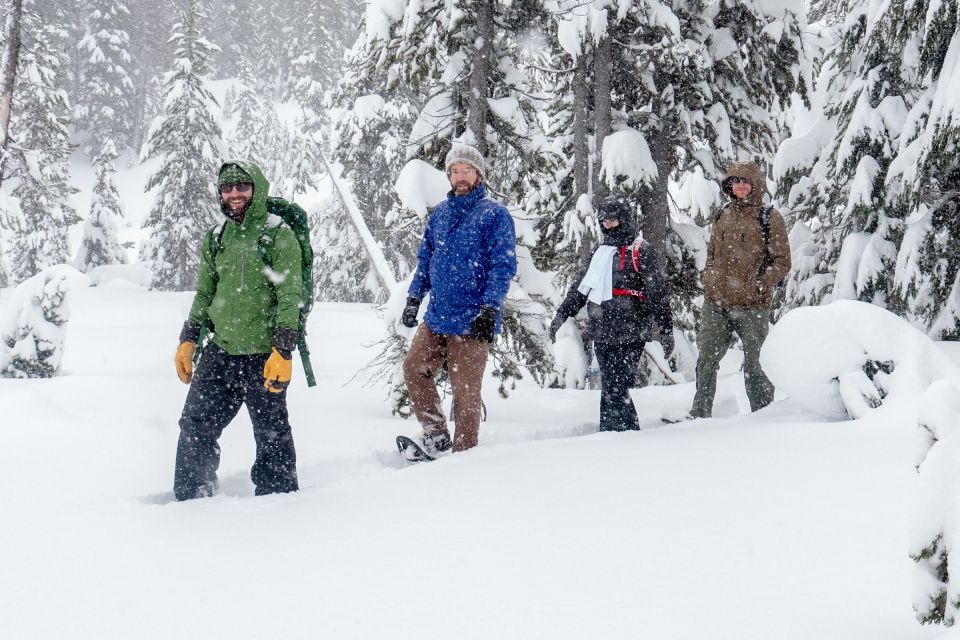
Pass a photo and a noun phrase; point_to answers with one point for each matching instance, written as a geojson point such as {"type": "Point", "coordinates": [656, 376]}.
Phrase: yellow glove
{"type": "Point", "coordinates": [277, 372]}
{"type": "Point", "coordinates": [184, 361]}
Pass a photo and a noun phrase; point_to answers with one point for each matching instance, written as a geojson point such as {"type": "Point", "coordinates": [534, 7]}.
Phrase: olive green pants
{"type": "Point", "coordinates": [717, 326]}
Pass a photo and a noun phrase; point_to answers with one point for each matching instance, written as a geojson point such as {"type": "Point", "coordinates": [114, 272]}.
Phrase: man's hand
{"type": "Point", "coordinates": [184, 361]}
{"type": "Point", "coordinates": [409, 317]}
{"type": "Point", "coordinates": [277, 371]}
{"type": "Point", "coordinates": [558, 321]}
{"type": "Point", "coordinates": [483, 325]}
{"type": "Point", "coordinates": [667, 342]}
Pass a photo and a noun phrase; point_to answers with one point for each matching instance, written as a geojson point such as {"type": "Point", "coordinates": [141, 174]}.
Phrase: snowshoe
{"type": "Point", "coordinates": [675, 418]}
{"type": "Point", "coordinates": [428, 449]}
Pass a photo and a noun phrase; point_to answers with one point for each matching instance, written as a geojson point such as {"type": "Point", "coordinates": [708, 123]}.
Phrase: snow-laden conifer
{"type": "Point", "coordinates": [100, 245]}
{"type": "Point", "coordinates": [105, 109]}
{"type": "Point", "coordinates": [186, 139]}
{"type": "Point", "coordinates": [38, 168]}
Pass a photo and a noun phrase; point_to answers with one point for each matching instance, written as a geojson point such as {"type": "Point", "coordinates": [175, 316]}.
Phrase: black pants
{"type": "Point", "coordinates": [618, 369]}
{"type": "Point", "coordinates": [220, 385]}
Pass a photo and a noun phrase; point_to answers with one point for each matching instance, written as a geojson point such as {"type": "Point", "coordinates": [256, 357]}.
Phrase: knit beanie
{"type": "Point", "coordinates": [232, 174]}
{"type": "Point", "coordinates": [466, 154]}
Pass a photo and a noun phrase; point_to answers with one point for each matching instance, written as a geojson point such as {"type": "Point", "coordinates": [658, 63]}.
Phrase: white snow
{"type": "Point", "coordinates": [368, 108]}
{"type": "Point", "coordinates": [420, 186]}
{"type": "Point", "coordinates": [625, 153]}
{"type": "Point", "coordinates": [434, 121]}
{"type": "Point", "coordinates": [772, 525]}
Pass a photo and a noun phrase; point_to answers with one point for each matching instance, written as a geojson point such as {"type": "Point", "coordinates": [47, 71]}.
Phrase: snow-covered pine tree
{"type": "Point", "coordinates": [100, 245]}
{"type": "Point", "coordinates": [150, 55]}
{"type": "Point", "coordinates": [373, 111]}
{"type": "Point", "coordinates": [38, 170]}
{"type": "Point", "coordinates": [925, 177]}
{"type": "Point", "coordinates": [850, 217]}
{"type": "Point", "coordinates": [105, 109]}
{"type": "Point", "coordinates": [879, 203]}
{"type": "Point", "coordinates": [186, 139]}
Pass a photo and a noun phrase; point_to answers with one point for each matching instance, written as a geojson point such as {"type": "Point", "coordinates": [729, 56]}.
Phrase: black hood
{"type": "Point", "coordinates": [621, 235]}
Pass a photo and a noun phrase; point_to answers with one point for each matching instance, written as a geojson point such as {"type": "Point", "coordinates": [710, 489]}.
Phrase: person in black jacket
{"type": "Point", "coordinates": [625, 292]}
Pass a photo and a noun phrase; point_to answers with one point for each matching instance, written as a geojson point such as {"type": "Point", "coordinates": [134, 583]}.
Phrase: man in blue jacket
{"type": "Point", "coordinates": [466, 262]}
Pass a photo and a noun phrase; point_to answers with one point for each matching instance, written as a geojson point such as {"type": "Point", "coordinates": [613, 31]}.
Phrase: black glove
{"type": "Point", "coordinates": [409, 317]}
{"type": "Point", "coordinates": [667, 342]}
{"type": "Point", "coordinates": [558, 321]}
{"type": "Point", "coordinates": [482, 326]}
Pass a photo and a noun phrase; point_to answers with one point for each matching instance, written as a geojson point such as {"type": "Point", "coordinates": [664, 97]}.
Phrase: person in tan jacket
{"type": "Point", "coordinates": [744, 264]}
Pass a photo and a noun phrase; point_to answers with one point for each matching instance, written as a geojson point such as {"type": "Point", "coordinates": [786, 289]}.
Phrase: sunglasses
{"type": "Point", "coordinates": [241, 187]}
{"type": "Point", "coordinates": [739, 180]}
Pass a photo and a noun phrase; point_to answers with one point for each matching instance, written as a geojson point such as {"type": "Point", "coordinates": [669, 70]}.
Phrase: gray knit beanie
{"type": "Point", "coordinates": [465, 153]}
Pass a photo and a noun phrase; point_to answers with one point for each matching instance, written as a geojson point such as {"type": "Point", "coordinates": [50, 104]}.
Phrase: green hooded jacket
{"type": "Point", "coordinates": [243, 298]}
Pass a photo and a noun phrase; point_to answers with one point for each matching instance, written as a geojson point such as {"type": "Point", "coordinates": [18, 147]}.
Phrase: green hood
{"type": "Point", "coordinates": [256, 213]}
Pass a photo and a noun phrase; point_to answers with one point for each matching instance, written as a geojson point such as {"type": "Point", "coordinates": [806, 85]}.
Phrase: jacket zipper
{"type": "Point", "coordinates": [243, 264]}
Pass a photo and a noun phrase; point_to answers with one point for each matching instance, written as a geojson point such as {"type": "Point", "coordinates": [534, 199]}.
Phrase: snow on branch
{"type": "Point", "coordinates": [626, 153]}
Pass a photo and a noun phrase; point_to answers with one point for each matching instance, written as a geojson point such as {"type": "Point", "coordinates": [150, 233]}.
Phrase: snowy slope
{"type": "Point", "coordinates": [773, 525]}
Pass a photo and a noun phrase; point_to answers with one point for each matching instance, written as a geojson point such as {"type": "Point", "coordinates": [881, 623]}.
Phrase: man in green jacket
{"type": "Point", "coordinates": [249, 295]}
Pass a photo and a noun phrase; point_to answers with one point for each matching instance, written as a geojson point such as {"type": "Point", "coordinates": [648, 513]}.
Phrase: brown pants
{"type": "Point", "coordinates": [466, 360]}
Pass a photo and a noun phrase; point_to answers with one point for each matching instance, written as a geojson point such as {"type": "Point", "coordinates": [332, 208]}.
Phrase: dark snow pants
{"type": "Point", "coordinates": [618, 371]}
{"type": "Point", "coordinates": [220, 385]}
{"type": "Point", "coordinates": [466, 360]}
{"type": "Point", "coordinates": [717, 327]}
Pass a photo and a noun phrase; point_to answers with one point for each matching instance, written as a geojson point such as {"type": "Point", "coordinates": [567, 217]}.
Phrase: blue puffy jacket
{"type": "Point", "coordinates": [466, 261]}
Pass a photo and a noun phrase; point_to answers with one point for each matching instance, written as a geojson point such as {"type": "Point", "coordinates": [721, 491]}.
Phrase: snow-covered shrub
{"type": "Point", "coordinates": [847, 358]}
{"type": "Point", "coordinates": [33, 323]}
{"type": "Point", "coordinates": [935, 532]}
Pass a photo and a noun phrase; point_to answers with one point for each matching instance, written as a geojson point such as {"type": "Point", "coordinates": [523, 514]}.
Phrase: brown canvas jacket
{"type": "Point", "coordinates": [734, 276]}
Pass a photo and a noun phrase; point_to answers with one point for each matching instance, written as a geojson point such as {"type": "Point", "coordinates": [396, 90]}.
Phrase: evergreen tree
{"type": "Point", "coordinates": [106, 110]}
{"type": "Point", "coordinates": [851, 227]}
{"type": "Point", "coordinates": [876, 207]}
{"type": "Point", "coordinates": [150, 53]}
{"type": "Point", "coordinates": [186, 139]}
{"type": "Point", "coordinates": [39, 168]}
{"type": "Point", "coordinates": [100, 245]}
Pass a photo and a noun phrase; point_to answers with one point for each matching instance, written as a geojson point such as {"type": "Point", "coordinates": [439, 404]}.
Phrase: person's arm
{"type": "Point", "coordinates": [779, 251]}
{"type": "Point", "coordinates": [288, 288]}
{"type": "Point", "coordinates": [707, 276]}
{"type": "Point", "coordinates": [569, 307]}
{"type": "Point", "coordinates": [503, 260]}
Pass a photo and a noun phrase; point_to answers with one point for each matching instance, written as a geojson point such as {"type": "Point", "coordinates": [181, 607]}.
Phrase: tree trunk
{"type": "Point", "coordinates": [603, 70]}
{"type": "Point", "coordinates": [581, 144]}
{"type": "Point", "coordinates": [11, 60]}
{"type": "Point", "coordinates": [654, 202]}
{"type": "Point", "coordinates": [480, 74]}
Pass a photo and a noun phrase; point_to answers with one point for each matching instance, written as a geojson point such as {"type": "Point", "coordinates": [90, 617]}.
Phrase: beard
{"type": "Point", "coordinates": [463, 187]}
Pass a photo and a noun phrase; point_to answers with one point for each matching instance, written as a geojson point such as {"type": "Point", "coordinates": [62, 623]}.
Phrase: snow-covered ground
{"type": "Point", "coordinates": [779, 524]}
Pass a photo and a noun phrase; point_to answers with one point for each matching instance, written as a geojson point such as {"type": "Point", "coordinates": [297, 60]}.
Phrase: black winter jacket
{"type": "Point", "coordinates": [625, 318]}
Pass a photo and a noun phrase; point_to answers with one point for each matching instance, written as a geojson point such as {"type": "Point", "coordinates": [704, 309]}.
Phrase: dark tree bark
{"type": "Point", "coordinates": [603, 70]}
{"type": "Point", "coordinates": [480, 74]}
{"type": "Point", "coordinates": [654, 201]}
{"type": "Point", "coordinates": [11, 60]}
{"type": "Point", "coordinates": [581, 144]}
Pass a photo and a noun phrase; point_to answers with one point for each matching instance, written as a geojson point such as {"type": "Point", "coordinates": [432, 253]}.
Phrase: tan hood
{"type": "Point", "coordinates": [751, 171]}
